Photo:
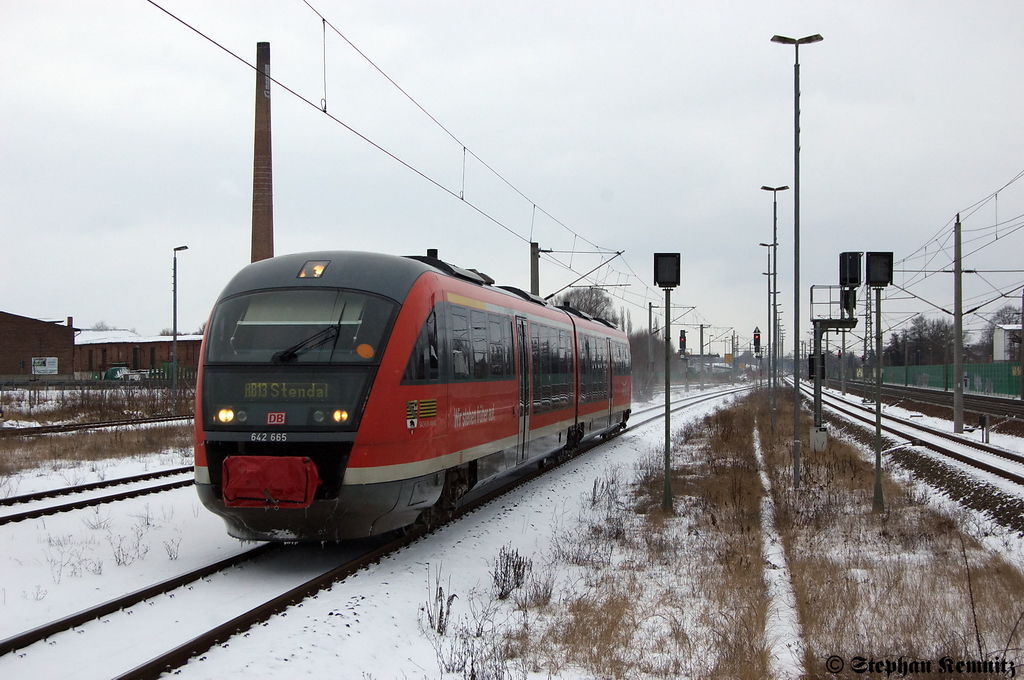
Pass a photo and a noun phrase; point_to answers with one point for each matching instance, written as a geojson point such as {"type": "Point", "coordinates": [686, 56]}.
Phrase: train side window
{"type": "Point", "coordinates": [461, 349]}
{"type": "Point", "coordinates": [506, 343]}
{"type": "Point", "coordinates": [535, 351]}
{"type": "Point", "coordinates": [423, 363]}
{"type": "Point", "coordinates": [479, 320]}
{"type": "Point", "coordinates": [498, 356]}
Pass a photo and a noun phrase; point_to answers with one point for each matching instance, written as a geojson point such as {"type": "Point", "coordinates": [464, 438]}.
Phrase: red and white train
{"type": "Point", "coordinates": [347, 394]}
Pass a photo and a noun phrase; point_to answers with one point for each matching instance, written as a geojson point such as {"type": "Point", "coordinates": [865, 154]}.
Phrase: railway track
{"type": "Point", "coordinates": [995, 460]}
{"type": "Point", "coordinates": [37, 506]}
{"type": "Point", "coordinates": [70, 634]}
{"type": "Point", "coordinates": [974, 403]}
{"type": "Point", "coordinates": [74, 427]}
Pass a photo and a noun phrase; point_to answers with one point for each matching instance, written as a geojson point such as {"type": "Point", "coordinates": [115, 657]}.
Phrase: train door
{"type": "Point", "coordinates": [523, 375]}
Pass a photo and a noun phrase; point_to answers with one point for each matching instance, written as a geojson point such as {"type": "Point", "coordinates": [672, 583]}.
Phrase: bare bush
{"type": "Point", "coordinates": [510, 572]}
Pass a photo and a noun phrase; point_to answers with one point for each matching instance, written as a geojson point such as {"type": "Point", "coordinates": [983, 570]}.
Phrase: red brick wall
{"type": "Point", "coordinates": [107, 354]}
{"type": "Point", "coordinates": [22, 338]}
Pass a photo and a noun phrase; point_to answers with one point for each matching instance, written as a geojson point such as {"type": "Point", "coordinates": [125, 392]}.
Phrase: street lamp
{"type": "Point", "coordinates": [773, 361]}
{"type": "Point", "coordinates": [174, 330]}
{"type": "Point", "coordinates": [796, 43]}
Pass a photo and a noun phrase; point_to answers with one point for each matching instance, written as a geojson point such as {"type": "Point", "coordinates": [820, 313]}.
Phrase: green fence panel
{"type": "Point", "coordinates": [1002, 378]}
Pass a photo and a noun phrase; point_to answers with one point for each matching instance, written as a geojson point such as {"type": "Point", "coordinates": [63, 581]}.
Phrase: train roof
{"type": "Point", "coordinates": [390, 275]}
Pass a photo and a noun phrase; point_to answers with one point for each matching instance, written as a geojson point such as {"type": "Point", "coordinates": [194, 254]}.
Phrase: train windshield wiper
{"type": "Point", "coordinates": [314, 341]}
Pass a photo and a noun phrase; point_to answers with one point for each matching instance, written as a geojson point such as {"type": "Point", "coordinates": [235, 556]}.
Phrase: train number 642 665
{"type": "Point", "coordinates": [269, 437]}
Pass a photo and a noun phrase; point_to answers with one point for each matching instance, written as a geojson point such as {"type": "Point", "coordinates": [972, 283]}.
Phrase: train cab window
{"type": "Point", "coordinates": [300, 326]}
{"type": "Point", "coordinates": [424, 363]}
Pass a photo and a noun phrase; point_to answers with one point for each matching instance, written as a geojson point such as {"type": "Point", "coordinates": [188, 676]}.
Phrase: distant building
{"type": "Point", "coordinates": [31, 347]}
{"type": "Point", "coordinates": [98, 351]}
{"type": "Point", "coordinates": [1006, 343]}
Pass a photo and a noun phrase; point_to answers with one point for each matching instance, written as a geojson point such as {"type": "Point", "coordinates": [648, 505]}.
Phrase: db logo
{"type": "Point", "coordinates": [275, 419]}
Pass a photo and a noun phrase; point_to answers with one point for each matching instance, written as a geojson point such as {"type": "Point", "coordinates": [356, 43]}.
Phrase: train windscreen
{"type": "Point", "coordinates": [299, 326]}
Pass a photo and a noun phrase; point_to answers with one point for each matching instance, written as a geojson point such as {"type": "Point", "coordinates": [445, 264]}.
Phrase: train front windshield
{"type": "Point", "coordinates": [303, 359]}
{"type": "Point", "coordinates": [293, 327]}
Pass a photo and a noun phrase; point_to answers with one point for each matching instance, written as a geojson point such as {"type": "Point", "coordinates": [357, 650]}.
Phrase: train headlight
{"type": "Point", "coordinates": [318, 416]}
{"type": "Point", "coordinates": [225, 415]}
{"type": "Point", "coordinates": [340, 416]}
{"type": "Point", "coordinates": [241, 415]}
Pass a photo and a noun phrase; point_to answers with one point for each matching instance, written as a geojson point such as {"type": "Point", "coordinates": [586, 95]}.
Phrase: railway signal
{"type": "Point", "coordinates": [666, 277]}
{"type": "Point", "coordinates": [757, 341]}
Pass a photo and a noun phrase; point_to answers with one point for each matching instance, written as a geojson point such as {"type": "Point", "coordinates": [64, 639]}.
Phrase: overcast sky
{"type": "Point", "coordinates": [640, 127]}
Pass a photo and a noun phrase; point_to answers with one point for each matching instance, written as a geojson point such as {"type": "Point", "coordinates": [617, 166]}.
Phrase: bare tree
{"type": "Point", "coordinates": [591, 300]}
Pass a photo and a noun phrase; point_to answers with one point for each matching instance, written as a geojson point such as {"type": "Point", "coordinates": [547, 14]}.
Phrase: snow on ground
{"type": "Point", "coordinates": [62, 473]}
{"type": "Point", "coordinates": [369, 626]}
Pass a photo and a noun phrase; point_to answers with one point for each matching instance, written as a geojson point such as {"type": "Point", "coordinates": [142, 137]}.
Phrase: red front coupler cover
{"type": "Point", "coordinates": [269, 481]}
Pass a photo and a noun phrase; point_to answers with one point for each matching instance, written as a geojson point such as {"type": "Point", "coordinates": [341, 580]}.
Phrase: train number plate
{"type": "Point", "coordinates": [269, 437]}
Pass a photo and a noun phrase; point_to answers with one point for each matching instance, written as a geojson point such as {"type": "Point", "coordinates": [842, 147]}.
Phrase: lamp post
{"type": "Point", "coordinates": [772, 329]}
{"type": "Point", "coordinates": [174, 330]}
{"type": "Point", "coordinates": [796, 43]}
{"type": "Point", "coordinates": [770, 349]}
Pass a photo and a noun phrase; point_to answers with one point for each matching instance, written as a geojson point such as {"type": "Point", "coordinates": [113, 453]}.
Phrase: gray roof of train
{"type": "Point", "coordinates": [387, 275]}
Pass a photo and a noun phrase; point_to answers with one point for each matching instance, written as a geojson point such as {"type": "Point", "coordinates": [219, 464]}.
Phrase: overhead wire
{"type": "Point", "coordinates": [348, 127]}
{"type": "Point", "coordinates": [429, 115]}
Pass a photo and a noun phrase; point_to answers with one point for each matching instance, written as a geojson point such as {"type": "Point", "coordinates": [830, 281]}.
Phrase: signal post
{"type": "Point", "coordinates": [666, 276]}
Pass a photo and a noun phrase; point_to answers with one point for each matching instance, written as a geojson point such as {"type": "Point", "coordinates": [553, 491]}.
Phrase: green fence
{"type": "Point", "coordinates": [1001, 378]}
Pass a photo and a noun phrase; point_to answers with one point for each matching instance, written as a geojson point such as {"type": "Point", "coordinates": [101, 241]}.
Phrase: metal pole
{"type": "Point", "coordinates": [775, 302]}
{"type": "Point", "coordinates": [535, 268]}
{"type": "Point", "coordinates": [174, 328]}
{"type": "Point", "coordinates": [702, 357]}
{"type": "Point", "coordinates": [842, 366]}
{"type": "Point", "coordinates": [817, 374]}
{"type": "Point", "coordinates": [174, 332]}
{"type": "Point", "coordinates": [958, 333]}
{"type": "Point", "coordinates": [666, 501]}
{"type": "Point", "coordinates": [878, 504]}
{"type": "Point", "coordinates": [796, 264]}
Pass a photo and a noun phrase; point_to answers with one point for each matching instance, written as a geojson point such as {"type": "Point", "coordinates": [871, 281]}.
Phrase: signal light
{"type": "Point", "coordinates": [682, 342]}
{"type": "Point", "coordinates": [757, 341]}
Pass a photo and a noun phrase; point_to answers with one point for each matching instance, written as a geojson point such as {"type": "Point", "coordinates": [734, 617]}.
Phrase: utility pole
{"type": "Point", "coordinates": [958, 332]}
{"type": "Point", "coordinates": [702, 327]}
{"type": "Point", "coordinates": [650, 338]}
{"type": "Point", "coordinates": [535, 268]}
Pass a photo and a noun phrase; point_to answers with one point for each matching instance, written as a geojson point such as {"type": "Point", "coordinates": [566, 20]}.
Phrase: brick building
{"type": "Point", "coordinates": [30, 346]}
{"type": "Point", "coordinates": [98, 351]}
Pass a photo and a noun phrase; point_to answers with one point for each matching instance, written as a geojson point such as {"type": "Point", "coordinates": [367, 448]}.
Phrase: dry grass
{"type": "Point", "coordinates": [661, 594]}
{"type": "Point", "coordinates": [66, 451]}
{"type": "Point", "coordinates": [656, 594]}
{"type": "Point", "coordinates": [57, 403]}
{"type": "Point", "coordinates": [906, 582]}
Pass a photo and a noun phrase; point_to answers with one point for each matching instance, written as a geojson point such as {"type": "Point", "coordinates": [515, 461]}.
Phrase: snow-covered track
{"type": "Point", "coordinates": [163, 629]}
{"type": "Point", "coordinates": [681, 403]}
{"type": "Point", "coordinates": [80, 488]}
{"type": "Point", "coordinates": [992, 459]}
{"type": "Point", "coordinates": [72, 427]}
{"type": "Point", "coordinates": [64, 623]}
{"type": "Point", "coordinates": [975, 403]}
{"type": "Point", "coordinates": [38, 505]}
